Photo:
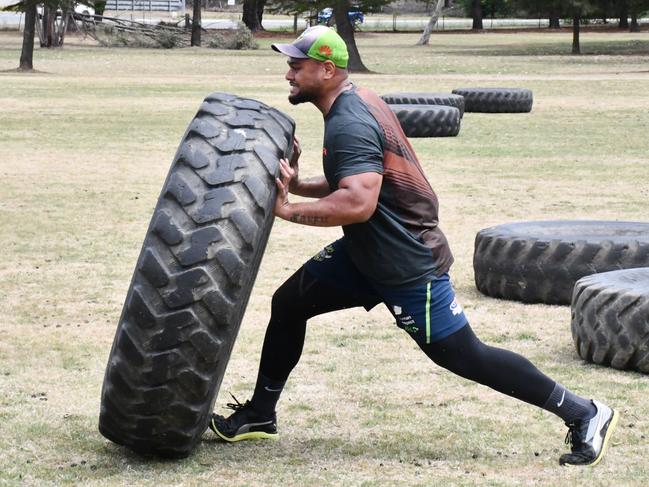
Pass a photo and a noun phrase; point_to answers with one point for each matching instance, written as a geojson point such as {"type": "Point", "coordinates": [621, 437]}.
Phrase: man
{"type": "Point", "coordinates": [392, 251]}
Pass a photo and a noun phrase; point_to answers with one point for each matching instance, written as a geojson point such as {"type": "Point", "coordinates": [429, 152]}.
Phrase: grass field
{"type": "Point", "coordinates": [85, 145]}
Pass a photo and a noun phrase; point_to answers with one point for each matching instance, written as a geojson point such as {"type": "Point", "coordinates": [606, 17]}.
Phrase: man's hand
{"type": "Point", "coordinates": [315, 187]}
{"type": "Point", "coordinates": [293, 163]}
{"type": "Point", "coordinates": [287, 174]}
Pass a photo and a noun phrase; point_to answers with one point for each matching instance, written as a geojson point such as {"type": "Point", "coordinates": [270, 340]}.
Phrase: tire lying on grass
{"type": "Point", "coordinates": [496, 100]}
{"type": "Point", "coordinates": [428, 120]}
{"type": "Point", "coordinates": [610, 319]}
{"type": "Point", "coordinates": [539, 262]}
{"type": "Point", "coordinates": [446, 99]}
{"type": "Point", "coordinates": [194, 276]}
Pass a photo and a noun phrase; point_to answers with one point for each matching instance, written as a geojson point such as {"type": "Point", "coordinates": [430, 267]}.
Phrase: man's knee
{"type": "Point", "coordinates": [282, 297]}
{"type": "Point", "coordinates": [455, 349]}
{"type": "Point", "coordinates": [289, 298]}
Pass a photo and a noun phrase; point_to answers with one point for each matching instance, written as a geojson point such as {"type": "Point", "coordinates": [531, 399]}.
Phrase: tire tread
{"type": "Point", "coordinates": [192, 280]}
{"type": "Point", "coordinates": [610, 319]}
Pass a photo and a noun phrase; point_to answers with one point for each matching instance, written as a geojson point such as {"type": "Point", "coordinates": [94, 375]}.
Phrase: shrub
{"type": "Point", "coordinates": [168, 39]}
{"type": "Point", "coordinates": [217, 42]}
{"type": "Point", "coordinates": [239, 39]}
{"type": "Point", "coordinates": [243, 39]}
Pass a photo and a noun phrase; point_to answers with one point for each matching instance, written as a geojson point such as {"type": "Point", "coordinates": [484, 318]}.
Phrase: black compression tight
{"type": "Point", "coordinates": [465, 355]}
{"type": "Point", "coordinates": [302, 297]}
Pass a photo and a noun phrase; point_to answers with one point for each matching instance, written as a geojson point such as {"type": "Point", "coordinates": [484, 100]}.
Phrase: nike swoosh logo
{"type": "Point", "coordinates": [563, 396]}
{"type": "Point", "coordinates": [272, 390]}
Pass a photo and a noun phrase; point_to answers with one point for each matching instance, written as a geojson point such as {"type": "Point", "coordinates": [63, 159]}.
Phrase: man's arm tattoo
{"type": "Point", "coordinates": [308, 220]}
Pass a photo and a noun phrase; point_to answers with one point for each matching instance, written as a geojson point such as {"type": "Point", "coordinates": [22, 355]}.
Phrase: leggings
{"type": "Point", "coordinates": [303, 296]}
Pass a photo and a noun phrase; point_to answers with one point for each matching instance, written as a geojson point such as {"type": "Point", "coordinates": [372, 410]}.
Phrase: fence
{"type": "Point", "coordinates": [150, 5]}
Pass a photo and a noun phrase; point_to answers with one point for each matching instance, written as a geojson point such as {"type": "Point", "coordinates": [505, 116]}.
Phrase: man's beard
{"type": "Point", "coordinates": [301, 97]}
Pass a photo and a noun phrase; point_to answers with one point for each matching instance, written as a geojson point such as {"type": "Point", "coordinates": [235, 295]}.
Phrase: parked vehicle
{"type": "Point", "coordinates": [355, 14]}
{"type": "Point", "coordinates": [79, 8]}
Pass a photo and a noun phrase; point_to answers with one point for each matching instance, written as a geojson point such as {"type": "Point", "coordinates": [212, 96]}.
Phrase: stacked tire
{"type": "Point", "coordinates": [428, 120]}
{"type": "Point", "coordinates": [427, 114]}
{"type": "Point", "coordinates": [444, 99]}
{"type": "Point", "coordinates": [439, 114]}
{"type": "Point", "coordinates": [194, 276]}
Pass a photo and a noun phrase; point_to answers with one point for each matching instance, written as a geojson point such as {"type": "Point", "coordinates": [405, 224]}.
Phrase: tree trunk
{"type": "Point", "coordinates": [476, 13]}
{"type": "Point", "coordinates": [346, 31]}
{"type": "Point", "coordinates": [576, 17]}
{"type": "Point", "coordinates": [554, 19]}
{"type": "Point", "coordinates": [635, 27]}
{"type": "Point", "coordinates": [47, 31]}
{"type": "Point", "coordinates": [425, 36]}
{"type": "Point", "coordinates": [623, 10]}
{"type": "Point", "coordinates": [27, 54]}
{"type": "Point", "coordinates": [260, 12]}
{"type": "Point", "coordinates": [196, 23]}
{"type": "Point", "coordinates": [250, 16]}
{"type": "Point", "coordinates": [61, 28]}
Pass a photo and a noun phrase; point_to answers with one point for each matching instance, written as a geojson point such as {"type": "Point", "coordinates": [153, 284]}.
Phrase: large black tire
{"type": "Point", "coordinates": [193, 278]}
{"type": "Point", "coordinates": [610, 319]}
{"type": "Point", "coordinates": [539, 262]}
{"type": "Point", "coordinates": [428, 120]}
{"type": "Point", "coordinates": [496, 100]}
{"type": "Point", "coordinates": [446, 99]}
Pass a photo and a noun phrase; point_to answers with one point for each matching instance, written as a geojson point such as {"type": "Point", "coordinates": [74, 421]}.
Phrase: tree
{"type": "Point", "coordinates": [341, 18]}
{"type": "Point", "coordinates": [425, 36]}
{"type": "Point", "coordinates": [623, 10]}
{"type": "Point", "coordinates": [27, 52]}
{"type": "Point", "coordinates": [552, 9]}
{"type": "Point", "coordinates": [634, 27]}
{"type": "Point", "coordinates": [196, 23]}
{"type": "Point", "coordinates": [29, 7]}
{"type": "Point", "coordinates": [620, 9]}
{"type": "Point", "coordinates": [576, 19]}
{"type": "Point", "coordinates": [346, 31]}
{"type": "Point", "coordinates": [579, 9]}
{"type": "Point", "coordinates": [251, 15]}
{"type": "Point", "coordinates": [637, 8]}
{"type": "Point", "coordinates": [478, 9]}
{"type": "Point", "coordinates": [261, 4]}
{"type": "Point", "coordinates": [54, 18]}
{"type": "Point", "coordinates": [476, 14]}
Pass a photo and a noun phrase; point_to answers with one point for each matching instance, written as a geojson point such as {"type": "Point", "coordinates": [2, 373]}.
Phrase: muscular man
{"type": "Point", "coordinates": [393, 252]}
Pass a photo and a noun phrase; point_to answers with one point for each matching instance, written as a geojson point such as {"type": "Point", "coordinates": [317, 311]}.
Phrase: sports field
{"type": "Point", "coordinates": [85, 145]}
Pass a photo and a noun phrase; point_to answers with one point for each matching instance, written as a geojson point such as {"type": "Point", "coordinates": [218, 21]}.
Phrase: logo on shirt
{"type": "Point", "coordinates": [324, 151]}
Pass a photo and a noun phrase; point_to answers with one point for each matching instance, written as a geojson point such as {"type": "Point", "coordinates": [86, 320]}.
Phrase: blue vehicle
{"type": "Point", "coordinates": [356, 16]}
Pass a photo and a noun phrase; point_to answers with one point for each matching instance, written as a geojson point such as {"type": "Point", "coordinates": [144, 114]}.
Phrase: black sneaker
{"type": "Point", "coordinates": [244, 424]}
{"type": "Point", "coordinates": [588, 438]}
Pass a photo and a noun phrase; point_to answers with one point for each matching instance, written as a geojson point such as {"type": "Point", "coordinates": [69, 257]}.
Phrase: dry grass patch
{"type": "Point", "coordinates": [85, 148]}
